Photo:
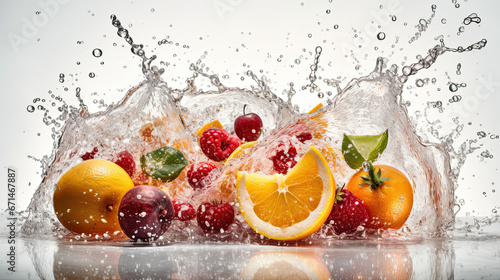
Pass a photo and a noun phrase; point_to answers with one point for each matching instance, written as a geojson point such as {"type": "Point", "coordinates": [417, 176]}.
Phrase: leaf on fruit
{"type": "Point", "coordinates": [358, 149]}
{"type": "Point", "coordinates": [165, 163]}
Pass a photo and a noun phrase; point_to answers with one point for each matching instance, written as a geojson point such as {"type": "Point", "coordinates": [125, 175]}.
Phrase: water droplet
{"type": "Point", "coordinates": [321, 95]}
{"type": "Point", "coordinates": [78, 63]}
{"type": "Point", "coordinates": [97, 52]}
{"type": "Point", "coordinates": [456, 98]}
{"type": "Point", "coordinates": [91, 74]}
{"type": "Point", "coordinates": [152, 10]}
{"type": "Point", "coordinates": [481, 134]}
{"type": "Point", "coordinates": [328, 11]}
{"type": "Point", "coordinates": [453, 87]}
{"type": "Point", "coordinates": [443, 21]}
{"type": "Point", "coordinates": [336, 26]}
{"type": "Point", "coordinates": [419, 83]}
{"type": "Point", "coordinates": [30, 108]}
{"type": "Point", "coordinates": [297, 61]}
{"type": "Point", "coordinates": [381, 36]}
{"type": "Point", "coordinates": [309, 35]}
{"type": "Point", "coordinates": [394, 18]}
{"type": "Point", "coordinates": [38, 12]}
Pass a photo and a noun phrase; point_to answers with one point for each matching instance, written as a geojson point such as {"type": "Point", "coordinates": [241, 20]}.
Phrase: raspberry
{"type": "Point", "coordinates": [90, 155]}
{"type": "Point", "coordinates": [217, 144]}
{"type": "Point", "coordinates": [347, 213]}
{"type": "Point", "coordinates": [215, 217]}
{"type": "Point", "coordinates": [126, 161]}
{"type": "Point", "coordinates": [198, 172]}
{"type": "Point", "coordinates": [283, 161]}
{"type": "Point", "coordinates": [184, 211]}
{"type": "Point", "coordinates": [304, 136]}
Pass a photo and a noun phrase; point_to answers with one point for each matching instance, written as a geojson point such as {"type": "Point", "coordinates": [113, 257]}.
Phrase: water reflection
{"type": "Point", "coordinates": [343, 259]}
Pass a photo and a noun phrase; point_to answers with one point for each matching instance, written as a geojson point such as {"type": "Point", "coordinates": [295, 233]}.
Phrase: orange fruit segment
{"type": "Point", "coordinates": [212, 124]}
{"type": "Point", "coordinates": [291, 206]}
{"type": "Point", "coordinates": [242, 150]}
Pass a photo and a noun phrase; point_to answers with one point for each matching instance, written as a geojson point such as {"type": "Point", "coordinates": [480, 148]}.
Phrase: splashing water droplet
{"type": "Point", "coordinates": [97, 52]}
{"type": "Point", "coordinates": [453, 87]}
{"type": "Point", "coordinates": [472, 18]}
{"type": "Point", "coordinates": [381, 36]}
{"type": "Point", "coordinates": [30, 108]}
{"type": "Point", "coordinates": [91, 74]}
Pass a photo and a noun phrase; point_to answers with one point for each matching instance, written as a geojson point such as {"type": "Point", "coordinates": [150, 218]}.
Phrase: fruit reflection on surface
{"type": "Point", "coordinates": [386, 193]}
{"type": "Point", "coordinates": [292, 206]}
{"type": "Point", "coordinates": [371, 262]}
{"type": "Point", "coordinates": [87, 196]}
{"type": "Point", "coordinates": [145, 213]}
{"type": "Point", "coordinates": [286, 265]}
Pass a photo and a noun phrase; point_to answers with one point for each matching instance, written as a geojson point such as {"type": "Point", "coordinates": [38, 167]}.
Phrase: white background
{"type": "Point", "coordinates": [241, 35]}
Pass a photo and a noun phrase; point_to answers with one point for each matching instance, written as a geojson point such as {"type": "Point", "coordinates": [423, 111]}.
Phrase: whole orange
{"type": "Point", "coordinates": [390, 203]}
{"type": "Point", "coordinates": [88, 195]}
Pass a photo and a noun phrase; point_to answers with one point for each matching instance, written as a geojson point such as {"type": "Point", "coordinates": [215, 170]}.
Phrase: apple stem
{"type": "Point", "coordinates": [244, 107]}
{"type": "Point", "coordinates": [109, 208]}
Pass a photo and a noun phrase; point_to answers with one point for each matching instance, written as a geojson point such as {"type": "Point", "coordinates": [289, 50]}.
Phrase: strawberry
{"type": "Point", "coordinates": [347, 213]}
{"type": "Point", "coordinates": [198, 172]}
{"type": "Point", "coordinates": [90, 155]}
{"type": "Point", "coordinates": [184, 211]}
{"type": "Point", "coordinates": [126, 161]}
{"type": "Point", "coordinates": [215, 217]}
{"type": "Point", "coordinates": [282, 161]}
{"type": "Point", "coordinates": [217, 144]}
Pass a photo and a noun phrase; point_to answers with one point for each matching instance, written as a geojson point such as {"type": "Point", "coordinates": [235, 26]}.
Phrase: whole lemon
{"type": "Point", "coordinates": [87, 196]}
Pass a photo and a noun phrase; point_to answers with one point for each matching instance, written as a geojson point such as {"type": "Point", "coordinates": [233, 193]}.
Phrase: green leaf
{"type": "Point", "coordinates": [358, 149]}
{"type": "Point", "coordinates": [165, 163]}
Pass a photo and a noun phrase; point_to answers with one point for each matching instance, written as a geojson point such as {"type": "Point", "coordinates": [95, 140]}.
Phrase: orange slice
{"type": "Point", "coordinates": [291, 206]}
{"type": "Point", "coordinates": [240, 151]}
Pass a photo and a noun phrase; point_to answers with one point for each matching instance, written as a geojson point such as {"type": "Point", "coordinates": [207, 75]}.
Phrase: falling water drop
{"type": "Point", "coordinates": [30, 108]}
{"type": "Point", "coordinates": [91, 74]}
{"type": "Point", "coordinates": [97, 52]}
{"type": "Point", "coordinates": [381, 36]}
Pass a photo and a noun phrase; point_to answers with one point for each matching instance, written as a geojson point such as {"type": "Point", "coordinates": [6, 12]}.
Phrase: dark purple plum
{"type": "Point", "coordinates": [145, 213]}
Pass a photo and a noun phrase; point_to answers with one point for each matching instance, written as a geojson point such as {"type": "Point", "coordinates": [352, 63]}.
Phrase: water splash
{"type": "Point", "coordinates": [186, 107]}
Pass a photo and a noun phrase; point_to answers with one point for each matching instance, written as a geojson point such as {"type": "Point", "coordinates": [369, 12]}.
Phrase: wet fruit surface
{"type": "Point", "coordinates": [389, 205]}
{"type": "Point", "coordinates": [215, 217]}
{"type": "Point", "coordinates": [145, 213]}
{"type": "Point", "coordinates": [88, 195]}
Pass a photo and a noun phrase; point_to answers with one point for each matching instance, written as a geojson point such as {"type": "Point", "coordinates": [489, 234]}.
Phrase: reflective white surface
{"type": "Point", "coordinates": [343, 259]}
